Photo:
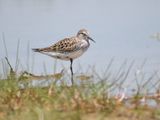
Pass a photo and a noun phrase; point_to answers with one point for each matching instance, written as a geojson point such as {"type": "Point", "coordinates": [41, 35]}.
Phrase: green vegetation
{"type": "Point", "coordinates": [88, 100]}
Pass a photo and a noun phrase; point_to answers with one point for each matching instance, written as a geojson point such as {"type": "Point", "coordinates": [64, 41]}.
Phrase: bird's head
{"type": "Point", "coordinates": [83, 33]}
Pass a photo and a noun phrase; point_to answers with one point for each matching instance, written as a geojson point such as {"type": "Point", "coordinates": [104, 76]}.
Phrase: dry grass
{"type": "Point", "coordinates": [60, 101]}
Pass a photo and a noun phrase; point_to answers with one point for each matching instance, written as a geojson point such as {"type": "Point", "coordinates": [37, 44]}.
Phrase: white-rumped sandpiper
{"type": "Point", "coordinates": [68, 48]}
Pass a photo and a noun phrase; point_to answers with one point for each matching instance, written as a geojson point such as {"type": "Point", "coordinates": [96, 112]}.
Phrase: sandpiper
{"type": "Point", "coordinates": [68, 48]}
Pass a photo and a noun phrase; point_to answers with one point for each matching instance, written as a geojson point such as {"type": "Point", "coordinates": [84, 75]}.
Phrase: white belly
{"type": "Point", "coordinates": [72, 55]}
{"type": "Point", "coordinates": [76, 54]}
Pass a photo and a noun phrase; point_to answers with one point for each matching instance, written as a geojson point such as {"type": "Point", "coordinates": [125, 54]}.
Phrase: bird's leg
{"type": "Point", "coordinates": [71, 60]}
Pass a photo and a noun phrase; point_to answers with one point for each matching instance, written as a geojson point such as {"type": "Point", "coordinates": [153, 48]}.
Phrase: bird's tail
{"type": "Point", "coordinates": [36, 49]}
{"type": "Point", "coordinates": [40, 49]}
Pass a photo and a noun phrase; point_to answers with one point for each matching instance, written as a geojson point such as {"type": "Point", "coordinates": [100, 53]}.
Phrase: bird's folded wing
{"type": "Point", "coordinates": [66, 45]}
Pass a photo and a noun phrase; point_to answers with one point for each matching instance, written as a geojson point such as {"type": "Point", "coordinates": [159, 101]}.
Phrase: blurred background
{"type": "Point", "coordinates": [125, 30]}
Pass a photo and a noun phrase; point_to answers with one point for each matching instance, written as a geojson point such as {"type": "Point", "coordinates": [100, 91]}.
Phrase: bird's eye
{"type": "Point", "coordinates": [83, 34]}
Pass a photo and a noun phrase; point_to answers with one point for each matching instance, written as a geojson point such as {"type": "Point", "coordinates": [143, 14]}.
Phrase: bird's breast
{"type": "Point", "coordinates": [76, 54]}
{"type": "Point", "coordinates": [85, 44]}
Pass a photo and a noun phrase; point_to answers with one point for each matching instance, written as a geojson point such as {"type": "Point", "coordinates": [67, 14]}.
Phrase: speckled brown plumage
{"type": "Point", "coordinates": [68, 45]}
{"type": "Point", "coordinates": [65, 45]}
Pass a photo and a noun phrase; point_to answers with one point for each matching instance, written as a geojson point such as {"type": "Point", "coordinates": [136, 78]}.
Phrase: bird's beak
{"type": "Point", "coordinates": [91, 39]}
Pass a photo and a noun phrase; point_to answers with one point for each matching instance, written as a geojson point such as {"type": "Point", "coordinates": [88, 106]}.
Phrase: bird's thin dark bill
{"type": "Point", "coordinates": [91, 39]}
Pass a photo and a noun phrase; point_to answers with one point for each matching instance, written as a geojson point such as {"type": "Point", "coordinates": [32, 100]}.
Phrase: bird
{"type": "Point", "coordinates": [69, 48]}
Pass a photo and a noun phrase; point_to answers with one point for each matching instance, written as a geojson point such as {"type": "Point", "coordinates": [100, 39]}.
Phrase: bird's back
{"type": "Point", "coordinates": [65, 45]}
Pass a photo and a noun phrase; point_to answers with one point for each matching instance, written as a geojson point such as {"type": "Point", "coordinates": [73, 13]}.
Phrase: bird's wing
{"type": "Point", "coordinates": [66, 45]}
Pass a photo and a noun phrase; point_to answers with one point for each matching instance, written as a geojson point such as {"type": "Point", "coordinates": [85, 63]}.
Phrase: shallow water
{"type": "Point", "coordinates": [121, 29]}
